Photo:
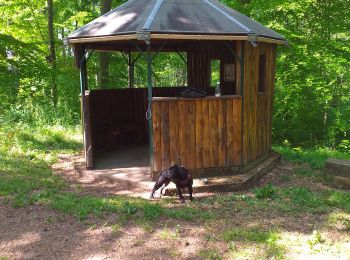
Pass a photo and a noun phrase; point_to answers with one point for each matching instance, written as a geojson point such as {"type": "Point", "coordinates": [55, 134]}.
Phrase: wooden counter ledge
{"type": "Point", "coordinates": [205, 98]}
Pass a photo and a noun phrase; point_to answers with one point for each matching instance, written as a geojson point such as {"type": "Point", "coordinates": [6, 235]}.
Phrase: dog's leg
{"type": "Point", "coordinates": [159, 183]}
{"type": "Point", "coordinates": [166, 183]}
{"type": "Point", "coordinates": [190, 190]}
{"type": "Point", "coordinates": [180, 193]}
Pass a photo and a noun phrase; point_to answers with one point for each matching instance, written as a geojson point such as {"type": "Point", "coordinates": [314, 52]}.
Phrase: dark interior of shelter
{"type": "Point", "coordinates": [118, 116]}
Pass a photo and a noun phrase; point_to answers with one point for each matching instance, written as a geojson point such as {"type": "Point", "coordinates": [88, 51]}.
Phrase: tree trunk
{"type": "Point", "coordinates": [104, 58]}
{"type": "Point", "coordinates": [52, 53]}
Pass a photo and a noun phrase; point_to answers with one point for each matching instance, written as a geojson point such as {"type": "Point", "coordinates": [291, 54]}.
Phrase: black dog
{"type": "Point", "coordinates": [178, 175]}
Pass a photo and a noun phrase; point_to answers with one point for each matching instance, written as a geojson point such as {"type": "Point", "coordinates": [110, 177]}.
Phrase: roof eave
{"type": "Point", "coordinates": [174, 36]}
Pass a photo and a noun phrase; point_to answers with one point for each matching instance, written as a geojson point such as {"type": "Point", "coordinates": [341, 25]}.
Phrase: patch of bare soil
{"type": "Point", "coordinates": [35, 232]}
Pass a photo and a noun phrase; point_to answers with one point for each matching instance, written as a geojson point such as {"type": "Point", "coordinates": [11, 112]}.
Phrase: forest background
{"type": "Point", "coordinates": [39, 84]}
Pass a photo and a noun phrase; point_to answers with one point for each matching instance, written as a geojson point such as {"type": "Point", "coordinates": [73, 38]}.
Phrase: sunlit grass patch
{"type": "Point", "coordinates": [339, 199]}
{"type": "Point", "coordinates": [254, 236]}
{"type": "Point", "coordinates": [42, 143]}
{"type": "Point", "coordinates": [339, 221]}
{"type": "Point", "coordinates": [313, 245]}
{"type": "Point", "coordinates": [244, 252]}
{"type": "Point", "coordinates": [250, 235]}
{"type": "Point", "coordinates": [167, 233]}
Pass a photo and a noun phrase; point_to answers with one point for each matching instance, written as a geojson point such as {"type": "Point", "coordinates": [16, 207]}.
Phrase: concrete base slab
{"type": "Point", "coordinates": [129, 168]}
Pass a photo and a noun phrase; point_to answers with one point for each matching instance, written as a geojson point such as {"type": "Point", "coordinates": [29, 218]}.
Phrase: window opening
{"type": "Point", "coordinates": [214, 73]}
{"type": "Point", "coordinates": [262, 73]}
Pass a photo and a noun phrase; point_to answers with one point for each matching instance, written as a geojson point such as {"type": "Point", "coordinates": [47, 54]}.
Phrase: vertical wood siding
{"type": "Point", "coordinates": [257, 108]}
{"type": "Point", "coordinates": [206, 132]}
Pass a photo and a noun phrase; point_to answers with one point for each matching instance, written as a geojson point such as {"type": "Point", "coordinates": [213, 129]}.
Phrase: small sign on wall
{"type": "Point", "coordinates": [229, 72]}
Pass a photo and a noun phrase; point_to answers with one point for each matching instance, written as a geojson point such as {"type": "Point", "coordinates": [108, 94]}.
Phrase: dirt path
{"type": "Point", "coordinates": [36, 232]}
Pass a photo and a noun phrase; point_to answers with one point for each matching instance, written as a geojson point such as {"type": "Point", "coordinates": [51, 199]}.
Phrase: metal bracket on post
{"type": "Point", "coordinates": [144, 36]}
{"type": "Point", "coordinates": [253, 38]}
{"type": "Point", "coordinates": [182, 57]}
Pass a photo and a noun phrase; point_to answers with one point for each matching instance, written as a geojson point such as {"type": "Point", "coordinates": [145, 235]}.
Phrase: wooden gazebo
{"type": "Point", "coordinates": [211, 135]}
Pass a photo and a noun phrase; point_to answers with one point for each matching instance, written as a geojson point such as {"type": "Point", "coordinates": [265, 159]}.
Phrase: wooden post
{"type": "Point", "coordinates": [242, 68]}
{"type": "Point", "coordinates": [131, 69]}
{"type": "Point", "coordinates": [85, 114]}
{"type": "Point", "coordinates": [88, 148]}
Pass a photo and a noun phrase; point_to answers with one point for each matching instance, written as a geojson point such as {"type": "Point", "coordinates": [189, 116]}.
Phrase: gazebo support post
{"type": "Point", "coordinates": [85, 113]}
{"type": "Point", "coordinates": [131, 69]}
{"type": "Point", "coordinates": [149, 111]}
{"type": "Point", "coordinates": [241, 54]}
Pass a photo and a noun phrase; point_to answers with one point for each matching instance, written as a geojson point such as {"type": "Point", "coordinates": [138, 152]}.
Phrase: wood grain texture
{"type": "Point", "coordinates": [157, 135]}
{"type": "Point", "coordinates": [237, 132]}
{"type": "Point", "coordinates": [257, 111]}
{"type": "Point", "coordinates": [165, 135]}
{"type": "Point", "coordinates": [214, 133]}
{"type": "Point", "coordinates": [174, 132]}
{"type": "Point", "coordinates": [230, 133]}
{"type": "Point", "coordinates": [206, 133]}
{"type": "Point", "coordinates": [222, 132]}
{"type": "Point", "coordinates": [191, 134]}
{"type": "Point", "coordinates": [199, 134]}
{"type": "Point", "coordinates": [183, 131]}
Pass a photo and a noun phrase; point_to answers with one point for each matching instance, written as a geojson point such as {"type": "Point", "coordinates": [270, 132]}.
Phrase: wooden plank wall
{"type": "Point", "coordinates": [257, 110]}
{"type": "Point", "coordinates": [113, 107]}
{"type": "Point", "coordinates": [204, 133]}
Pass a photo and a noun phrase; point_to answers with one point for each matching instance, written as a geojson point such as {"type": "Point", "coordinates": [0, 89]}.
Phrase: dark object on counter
{"type": "Point", "coordinates": [192, 93]}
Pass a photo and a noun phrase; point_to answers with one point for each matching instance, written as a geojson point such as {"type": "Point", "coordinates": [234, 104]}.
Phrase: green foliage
{"type": "Point", "coordinates": [302, 196]}
{"type": "Point", "coordinates": [312, 101]}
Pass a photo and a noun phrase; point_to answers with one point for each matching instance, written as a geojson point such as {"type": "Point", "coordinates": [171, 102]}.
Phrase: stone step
{"type": "Point", "coordinates": [338, 167]}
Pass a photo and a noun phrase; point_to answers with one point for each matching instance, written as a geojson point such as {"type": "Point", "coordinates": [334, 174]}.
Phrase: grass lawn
{"type": "Point", "coordinates": [293, 214]}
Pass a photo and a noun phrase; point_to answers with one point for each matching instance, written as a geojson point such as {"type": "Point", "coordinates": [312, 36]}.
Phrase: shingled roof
{"type": "Point", "coordinates": [173, 19]}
